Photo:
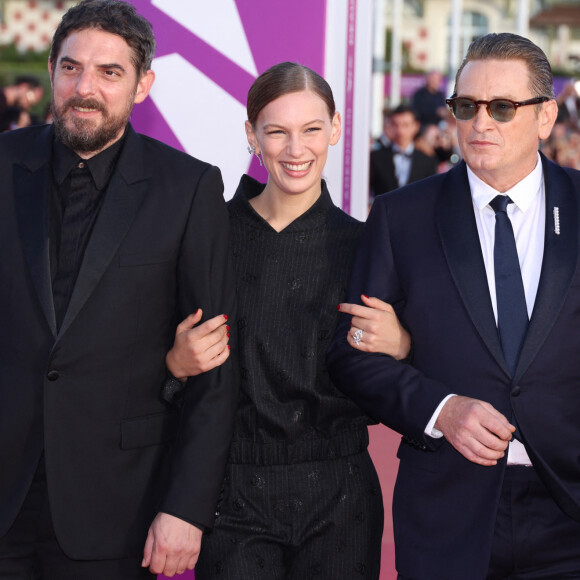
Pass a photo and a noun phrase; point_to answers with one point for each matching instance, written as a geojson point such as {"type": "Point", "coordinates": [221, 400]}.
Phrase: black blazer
{"type": "Point", "coordinates": [382, 169]}
{"type": "Point", "coordinates": [420, 251]}
{"type": "Point", "coordinates": [89, 395]}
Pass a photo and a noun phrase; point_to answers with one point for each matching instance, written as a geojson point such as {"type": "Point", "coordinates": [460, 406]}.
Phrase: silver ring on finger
{"type": "Point", "coordinates": [358, 336]}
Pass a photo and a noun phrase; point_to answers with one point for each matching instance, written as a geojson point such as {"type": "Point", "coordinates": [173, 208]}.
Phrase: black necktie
{"type": "Point", "coordinates": [512, 313]}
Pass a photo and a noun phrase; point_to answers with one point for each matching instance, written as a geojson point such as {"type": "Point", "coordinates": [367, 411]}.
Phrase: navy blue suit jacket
{"type": "Point", "coordinates": [420, 251]}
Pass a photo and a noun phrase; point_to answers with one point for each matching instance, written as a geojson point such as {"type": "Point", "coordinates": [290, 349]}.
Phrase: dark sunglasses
{"type": "Point", "coordinates": [500, 110]}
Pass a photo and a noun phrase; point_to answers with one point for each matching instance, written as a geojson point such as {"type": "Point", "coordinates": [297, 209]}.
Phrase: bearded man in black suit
{"type": "Point", "coordinates": [108, 239]}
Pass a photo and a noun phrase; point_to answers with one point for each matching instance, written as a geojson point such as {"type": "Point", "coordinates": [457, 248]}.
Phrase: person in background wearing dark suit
{"type": "Point", "coordinates": [108, 239]}
{"type": "Point", "coordinates": [482, 266]}
{"type": "Point", "coordinates": [16, 99]}
{"type": "Point", "coordinates": [400, 163]}
{"type": "Point", "coordinates": [385, 138]}
{"type": "Point", "coordinates": [429, 101]}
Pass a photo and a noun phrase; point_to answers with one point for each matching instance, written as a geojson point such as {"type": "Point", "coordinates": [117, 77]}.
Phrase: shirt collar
{"type": "Point", "coordinates": [407, 151]}
{"type": "Point", "coordinates": [522, 193]}
{"type": "Point", "coordinates": [100, 166]}
{"type": "Point", "coordinates": [312, 219]}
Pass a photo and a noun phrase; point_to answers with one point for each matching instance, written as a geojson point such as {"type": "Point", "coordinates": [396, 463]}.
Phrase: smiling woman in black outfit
{"type": "Point", "coordinates": [301, 497]}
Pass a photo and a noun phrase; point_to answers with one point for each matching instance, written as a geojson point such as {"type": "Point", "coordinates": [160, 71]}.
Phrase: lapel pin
{"type": "Point", "coordinates": [557, 221]}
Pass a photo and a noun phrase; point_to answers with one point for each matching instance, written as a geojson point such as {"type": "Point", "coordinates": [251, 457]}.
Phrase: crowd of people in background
{"type": "Point", "coordinates": [16, 102]}
{"type": "Point", "coordinates": [418, 140]}
{"type": "Point", "coordinates": [563, 146]}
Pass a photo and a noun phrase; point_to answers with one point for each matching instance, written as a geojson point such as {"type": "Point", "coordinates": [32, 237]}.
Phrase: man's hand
{"type": "Point", "coordinates": [477, 430]}
{"type": "Point", "coordinates": [172, 546]}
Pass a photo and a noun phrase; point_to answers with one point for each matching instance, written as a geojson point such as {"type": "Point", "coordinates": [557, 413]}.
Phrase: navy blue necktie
{"type": "Point", "coordinates": [512, 313]}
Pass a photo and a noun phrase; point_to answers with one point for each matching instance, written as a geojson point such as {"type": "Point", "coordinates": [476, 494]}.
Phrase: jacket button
{"type": "Point", "coordinates": [516, 391]}
{"type": "Point", "coordinates": [52, 375]}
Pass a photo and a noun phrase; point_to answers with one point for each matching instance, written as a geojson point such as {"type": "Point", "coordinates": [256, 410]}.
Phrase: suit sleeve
{"type": "Point", "coordinates": [390, 391]}
{"type": "Point", "coordinates": [205, 280]}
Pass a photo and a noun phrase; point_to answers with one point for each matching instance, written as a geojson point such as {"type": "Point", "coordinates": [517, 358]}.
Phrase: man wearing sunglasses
{"type": "Point", "coordinates": [482, 266]}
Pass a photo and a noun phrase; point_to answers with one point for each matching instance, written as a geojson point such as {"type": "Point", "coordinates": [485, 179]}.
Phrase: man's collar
{"type": "Point", "coordinates": [522, 193]}
{"type": "Point", "coordinates": [100, 166]}
{"type": "Point", "coordinates": [407, 151]}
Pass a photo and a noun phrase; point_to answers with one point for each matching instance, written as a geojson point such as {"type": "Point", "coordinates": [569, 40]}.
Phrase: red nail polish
{"type": "Point", "coordinates": [229, 346]}
{"type": "Point", "coordinates": [365, 295]}
{"type": "Point", "coordinates": [226, 316]}
{"type": "Point", "coordinates": [338, 307]}
{"type": "Point", "coordinates": [227, 328]}
{"type": "Point", "coordinates": [228, 333]}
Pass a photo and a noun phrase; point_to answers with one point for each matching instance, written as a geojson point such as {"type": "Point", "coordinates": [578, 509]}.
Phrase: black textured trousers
{"type": "Point", "coordinates": [320, 520]}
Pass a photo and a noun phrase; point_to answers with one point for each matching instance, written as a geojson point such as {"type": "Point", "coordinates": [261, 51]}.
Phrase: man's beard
{"type": "Point", "coordinates": [85, 135]}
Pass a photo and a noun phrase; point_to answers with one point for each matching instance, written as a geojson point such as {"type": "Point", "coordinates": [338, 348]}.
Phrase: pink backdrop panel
{"type": "Point", "coordinates": [297, 39]}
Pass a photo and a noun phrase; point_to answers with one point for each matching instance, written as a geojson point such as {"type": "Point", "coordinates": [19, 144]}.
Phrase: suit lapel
{"type": "Point", "coordinates": [458, 232]}
{"type": "Point", "coordinates": [125, 192]}
{"type": "Point", "coordinates": [31, 184]}
{"type": "Point", "coordinates": [559, 261]}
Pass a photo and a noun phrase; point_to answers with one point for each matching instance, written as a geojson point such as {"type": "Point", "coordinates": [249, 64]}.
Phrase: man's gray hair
{"type": "Point", "coordinates": [507, 46]}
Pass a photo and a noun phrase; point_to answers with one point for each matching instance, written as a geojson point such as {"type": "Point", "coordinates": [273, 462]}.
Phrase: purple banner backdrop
{"type": "Point", "coordinates": [349, 105]}
{"type": "Point", "coordinates": [208, 55]}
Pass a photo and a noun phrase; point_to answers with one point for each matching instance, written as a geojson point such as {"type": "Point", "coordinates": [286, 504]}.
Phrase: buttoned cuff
{"type": "Point", "coordinates": [430, 430]}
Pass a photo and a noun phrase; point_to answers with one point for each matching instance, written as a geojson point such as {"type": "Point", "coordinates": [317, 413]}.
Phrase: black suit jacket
{"type": "Point", "coordinates": [89, 395]}
{"type": "Point", "coordinates": [382, 169]}
{"type": "Point", "coordinates": [420, 251]}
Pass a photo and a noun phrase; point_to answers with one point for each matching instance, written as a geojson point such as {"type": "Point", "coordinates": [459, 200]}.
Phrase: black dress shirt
{"type": "Point", "coordinates": [77, 193]}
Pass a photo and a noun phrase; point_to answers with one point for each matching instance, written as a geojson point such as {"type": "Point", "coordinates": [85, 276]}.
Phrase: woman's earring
{"type": "Point", "coordinates": [252, 151]}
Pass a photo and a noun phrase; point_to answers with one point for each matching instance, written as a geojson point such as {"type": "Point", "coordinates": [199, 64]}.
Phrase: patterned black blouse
{"type": "Point", "coordinates": [288, 285]}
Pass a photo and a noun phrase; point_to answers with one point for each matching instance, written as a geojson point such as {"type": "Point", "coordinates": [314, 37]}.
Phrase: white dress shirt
{"type": "Point", "coordinates": [528, 217]}
{"type": "Point", "coordinates": [402, 162]}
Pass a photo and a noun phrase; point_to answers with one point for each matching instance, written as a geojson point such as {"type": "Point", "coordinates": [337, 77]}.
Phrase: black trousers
{"type": "Point", "coordinates": [318, 520]}
{"type": "Point", "coordinates": [30, 550]}
{"type": "Point", "coordinates": [533, 538]}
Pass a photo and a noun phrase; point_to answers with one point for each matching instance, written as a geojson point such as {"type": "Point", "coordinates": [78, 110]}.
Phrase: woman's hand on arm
{"type": "Point", "coordinates": [198, 348]}
{"type": "Point", "coordinates": [381, 330]}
